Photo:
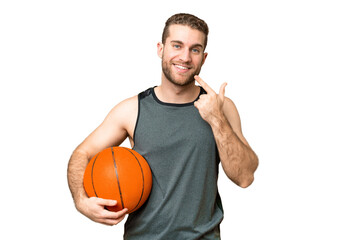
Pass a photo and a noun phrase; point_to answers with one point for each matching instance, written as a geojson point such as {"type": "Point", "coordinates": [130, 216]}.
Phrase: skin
{"type": "Point", "coordinates": [237, 158]}
{"type": "Point", "coordinates": [182, 58]}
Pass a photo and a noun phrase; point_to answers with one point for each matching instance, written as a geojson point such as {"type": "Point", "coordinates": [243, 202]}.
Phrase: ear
{"type": "Point", "coordinates": [204, 58]}
{"type": "Point", "coordinates": [160, 49]}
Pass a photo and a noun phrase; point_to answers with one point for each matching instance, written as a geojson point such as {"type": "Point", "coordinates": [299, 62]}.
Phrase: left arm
{"type": "Point", "coordinates": [237, 158]}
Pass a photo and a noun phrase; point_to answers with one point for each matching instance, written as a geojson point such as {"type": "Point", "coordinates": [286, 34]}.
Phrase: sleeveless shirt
{"type": "Point", "coordinates": [184, 202]}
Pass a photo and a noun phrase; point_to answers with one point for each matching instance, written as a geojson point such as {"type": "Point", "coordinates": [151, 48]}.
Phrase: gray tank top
{"type": "Point", "coordinates": [184, 202]}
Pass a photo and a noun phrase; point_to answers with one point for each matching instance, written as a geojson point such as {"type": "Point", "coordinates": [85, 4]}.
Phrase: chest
{"type": "Point", "coordinates": [172, 128]}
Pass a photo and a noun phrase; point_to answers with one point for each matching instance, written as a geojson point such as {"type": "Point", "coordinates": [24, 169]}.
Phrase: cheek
{"type": "Point", "coordinates": [198, 60]}
{"type": "Point", "coordinates": [171, 56]}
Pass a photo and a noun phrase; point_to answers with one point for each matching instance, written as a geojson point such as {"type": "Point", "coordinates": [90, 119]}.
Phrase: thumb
{"type": "Point", "coordinates": [222, 91]}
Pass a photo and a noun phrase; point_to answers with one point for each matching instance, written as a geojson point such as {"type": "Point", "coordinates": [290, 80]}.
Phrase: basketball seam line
{"type": "Point", "coordinates": [92, 175]}
{"type": "Point", "coordinates": [117, 177]}
{"type": "Point", "coordinates": [143, 181]}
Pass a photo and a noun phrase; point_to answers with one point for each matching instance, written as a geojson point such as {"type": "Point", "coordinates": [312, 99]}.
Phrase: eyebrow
{"type": "Point", "coordinates": [192, 46]}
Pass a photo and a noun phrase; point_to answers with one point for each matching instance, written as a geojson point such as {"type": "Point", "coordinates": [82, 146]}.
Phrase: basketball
{"type": "Point", "coordinates": [120, 174]}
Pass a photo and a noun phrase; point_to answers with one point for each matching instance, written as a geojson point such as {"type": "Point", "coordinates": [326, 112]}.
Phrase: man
{"type": "Point", "coordinates": [183, 131]}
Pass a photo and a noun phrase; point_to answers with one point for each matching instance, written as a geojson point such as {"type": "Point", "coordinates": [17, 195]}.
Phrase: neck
{"type": "Point", "coordinates": [171, 93]}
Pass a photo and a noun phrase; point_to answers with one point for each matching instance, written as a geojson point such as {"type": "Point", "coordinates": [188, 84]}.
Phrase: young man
{"type": "Point", "coordinates": [184, 131]}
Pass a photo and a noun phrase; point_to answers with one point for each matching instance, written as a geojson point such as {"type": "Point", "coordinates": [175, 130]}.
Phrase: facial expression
{"type": "Point", "coordinates": [182, 54]}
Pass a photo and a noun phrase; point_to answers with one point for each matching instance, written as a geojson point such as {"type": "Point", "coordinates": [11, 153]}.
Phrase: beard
{"type": "Point", "coordinates": [170, 75]}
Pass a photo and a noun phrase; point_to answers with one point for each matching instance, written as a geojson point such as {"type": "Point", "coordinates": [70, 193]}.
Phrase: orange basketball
{"type": "Point", "coordinates": [120, 174]}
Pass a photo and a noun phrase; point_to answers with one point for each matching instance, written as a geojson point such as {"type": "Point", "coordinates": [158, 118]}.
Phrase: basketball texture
{"type": "Point", "coordinates": [120, 174]}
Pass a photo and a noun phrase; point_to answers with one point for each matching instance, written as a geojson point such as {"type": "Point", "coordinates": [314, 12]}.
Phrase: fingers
{"type": "Point", "coordinates": [116, 215]}
{"type": "Point", "coordinates": [113, 218]}
{"type": "Point", "coordinates": [106, 202]}
{"type": "Point", "coordinates": [115, 221]}
{"type": "Point", "coordinates": [206, 87]}
{"type": "Point", "coordinates": [96, 211]}
{"type": "Point", "coordinates": [222, 91]}
{"type": "Point", "coordinates": [109, 203]}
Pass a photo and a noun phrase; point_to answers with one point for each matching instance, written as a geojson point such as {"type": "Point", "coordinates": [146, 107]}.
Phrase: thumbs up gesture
{"type": "Point", "coordinates": [210, 105]}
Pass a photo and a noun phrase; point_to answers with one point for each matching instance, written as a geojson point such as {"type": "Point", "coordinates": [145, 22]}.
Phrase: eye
{"type": "Point", "coordinates": [176, 46]}
{"type": "Point", "coordinates": [195, 50]}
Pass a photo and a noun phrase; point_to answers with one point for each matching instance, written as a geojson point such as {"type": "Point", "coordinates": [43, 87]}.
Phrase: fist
{"type": "Point", "coordinates": [210, 105]}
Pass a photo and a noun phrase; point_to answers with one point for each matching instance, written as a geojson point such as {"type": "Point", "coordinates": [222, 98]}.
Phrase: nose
{"type": "Point", "coordinates": [185, 55]}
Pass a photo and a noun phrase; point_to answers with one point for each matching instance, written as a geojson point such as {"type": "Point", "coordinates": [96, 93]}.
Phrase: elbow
{"type": "Point", "coordinates": [244, 177]}
{"type": "Point", "coordinates": [247, 178]}
{"type": "Point", "coordinates": [245, 181]}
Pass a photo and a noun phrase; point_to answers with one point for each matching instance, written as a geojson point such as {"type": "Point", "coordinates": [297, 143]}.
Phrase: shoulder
{"type": "Point", "coordinates": [127, 104]}
{"type": "Point", "coordinates": [122, 117]}
{"type": "Point", "coordinates": [127, 107]}
{"type": "Point", "coordinates": [145, 93]}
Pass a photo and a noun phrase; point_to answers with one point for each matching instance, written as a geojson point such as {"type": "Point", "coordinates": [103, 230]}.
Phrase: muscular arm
{"type": "Point", "coordinates": [237, 158]}
{"type": "Point", "coordinates": [117, 126]}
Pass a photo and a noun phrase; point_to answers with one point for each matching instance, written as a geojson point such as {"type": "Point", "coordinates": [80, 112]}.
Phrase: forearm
{"type": "Point", "coordinates": [75, 173]}
{"type": "Point", "coordinates": [238, 159]}
{"type": "Point", "coordinates": [93, 208]}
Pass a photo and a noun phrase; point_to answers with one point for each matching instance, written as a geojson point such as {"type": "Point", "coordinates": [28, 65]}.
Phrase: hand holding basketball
{"type": "Point", "coordinates": [210, 105]}
{"type": "Point", "coordinates": [120, 174]}
{"type": "Point", "coordinates": [94, 208]}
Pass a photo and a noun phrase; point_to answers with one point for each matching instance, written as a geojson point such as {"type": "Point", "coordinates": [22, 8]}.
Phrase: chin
{"type": "Point", "coordinates": [182, 83]}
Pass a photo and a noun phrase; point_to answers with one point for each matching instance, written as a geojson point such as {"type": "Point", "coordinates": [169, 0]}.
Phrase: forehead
{"type": "Point", "coordinates": [185, 34]}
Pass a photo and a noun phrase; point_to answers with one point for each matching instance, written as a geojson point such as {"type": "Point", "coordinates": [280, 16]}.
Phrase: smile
{"type": "Point", "coordinates": [181, 68]}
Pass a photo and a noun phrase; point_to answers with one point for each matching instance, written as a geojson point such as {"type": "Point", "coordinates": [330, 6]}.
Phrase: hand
{"type": "Point", "coordinates": [94, 208]}
{"type": "Point", "coordinates": [210, 105]}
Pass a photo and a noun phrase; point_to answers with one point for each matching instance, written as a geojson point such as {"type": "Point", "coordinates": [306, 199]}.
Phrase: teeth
{"type": "Point", "coordinates": [181, 67]}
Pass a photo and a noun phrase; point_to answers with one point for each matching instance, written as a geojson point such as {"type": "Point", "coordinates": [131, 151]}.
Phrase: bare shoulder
{"type": "Point", "coordinates": [116, 127]}
{"type": "Point", "coordinates": [124, 114]}
{"type": "Point", "coordinates": [128, 105]}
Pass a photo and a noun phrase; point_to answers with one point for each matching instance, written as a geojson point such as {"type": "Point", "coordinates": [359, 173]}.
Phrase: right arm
{"type": "Point", "coordinates": [117, 126]}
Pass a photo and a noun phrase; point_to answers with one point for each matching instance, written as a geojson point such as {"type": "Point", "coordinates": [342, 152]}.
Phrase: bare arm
{"type": "Point", "coordinates": [117, 126]}
{"type": "Point", "coordinates": [237, 158]}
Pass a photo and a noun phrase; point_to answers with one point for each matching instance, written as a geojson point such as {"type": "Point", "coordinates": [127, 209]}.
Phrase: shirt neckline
{"type": "Point", "coordinates": [202, 91]}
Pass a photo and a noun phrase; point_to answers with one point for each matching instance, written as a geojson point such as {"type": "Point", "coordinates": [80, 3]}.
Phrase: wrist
{"type": "Point", "coordinates": [217, 120]}
{"type": "Point", "coordinates": [79, 201]}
